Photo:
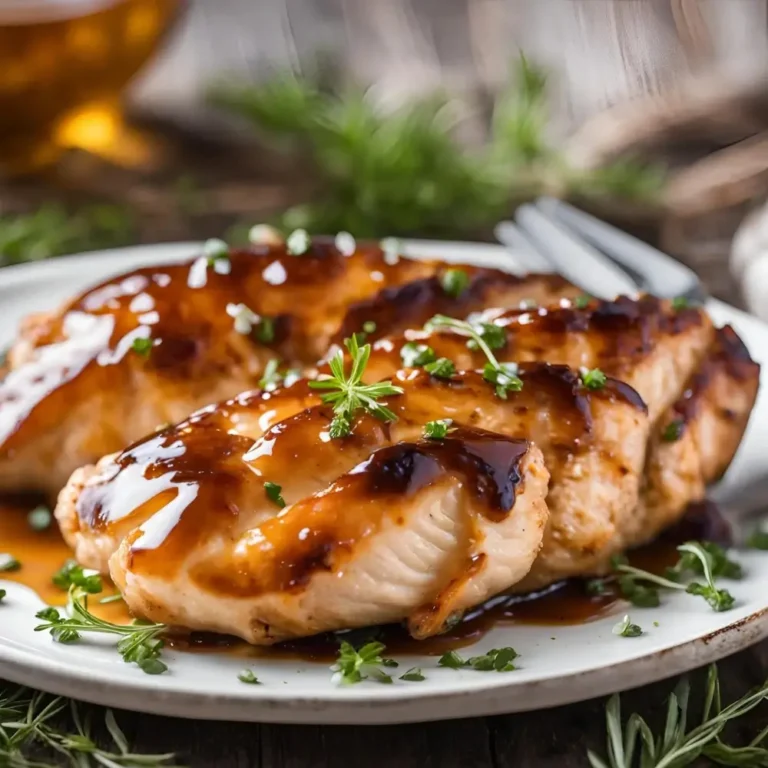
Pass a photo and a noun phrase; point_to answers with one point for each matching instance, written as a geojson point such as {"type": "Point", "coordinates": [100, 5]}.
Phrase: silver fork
{"type": "Point", "coordinates": [596, 256]}
{"type": "Point", "coordinates": [550, 235]}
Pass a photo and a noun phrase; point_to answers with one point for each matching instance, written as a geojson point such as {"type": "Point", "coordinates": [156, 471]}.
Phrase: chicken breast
{"type": "Point", "coordinates": [198, 543]}
{"type": "Point", "coordinates": [149, 347]}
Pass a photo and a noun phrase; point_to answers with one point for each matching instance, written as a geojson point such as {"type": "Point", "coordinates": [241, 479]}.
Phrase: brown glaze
{"type": "Point", "coordinates": [399, 307]}
{"type": "Point", "coordinates": [41, 554]}
{"type": "Point", "coordinates": [612, 335]}
{"type": "Point", "coordinates": [727, 356]}
{"type": "Point", "coordinates": [563, 604]}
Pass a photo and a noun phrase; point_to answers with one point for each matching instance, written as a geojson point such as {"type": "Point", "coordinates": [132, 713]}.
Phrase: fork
{"type": "Point", "coordinates": [604, 261]}
{"type": "Point", "coordinates": [596, 256]}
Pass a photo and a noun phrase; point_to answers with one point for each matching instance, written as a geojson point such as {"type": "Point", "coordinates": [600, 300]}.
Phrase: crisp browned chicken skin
{"type": "Point", "coordinates": [191, 537]}
{"type": "Point", "coordinates": [151, 346]}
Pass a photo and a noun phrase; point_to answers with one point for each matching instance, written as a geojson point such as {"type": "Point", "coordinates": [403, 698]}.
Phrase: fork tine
{"type": "Point", "coordinates": [531, 260]}
{"type": "Point", "coordinates": [661, 274]}
{"type": "Point", "coordinates": [573, 258]}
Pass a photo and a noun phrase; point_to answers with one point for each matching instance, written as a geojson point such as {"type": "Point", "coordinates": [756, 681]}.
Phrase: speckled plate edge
{"type": "Point", "coordinates": [374, 704]}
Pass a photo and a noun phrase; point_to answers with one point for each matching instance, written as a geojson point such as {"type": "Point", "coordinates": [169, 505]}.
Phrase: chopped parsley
{"type": "Point", "coordinates": [369, 326]}
{"type": "Point", "coordinates": [142, 346]}
{"type": "Point", "coordinates": [247, 676]}
{"type": "Point", "coordinates": [496, 660]}
{"type": "Point", "coordinates": [413, 675]}
{"type": "Point", "coordinates": [582, 302]}
{"type": "Point", "coordinates": [442, 368]}
{"type": "Point", "coordinates": [72, 574]}
{"type": "Point", "coordinates": [493, 335]}
{"type": "Point", "coordinates": [673, 431]}
{"type": "Point", "coordinates": [273, 491]}
{"type": "Point", "coordinates": [416, 355]}
{"type": "Point", "coordinates": [593, 379]}
{"type": "Point", "coordinates": [625, 628]}
{"type": "Point", "coordinates": [437, 430]}
{"type": "Point", "coordinates": [353, 666]}
{"type": "Point", "coordinates": [504, 377]}
{"type": "Point", "coordinates": [679, 303]}
{"type": "Point", "coordinates": [298, 242]}
{"type": "Point", "coordinates": [8, 563]}
{"type": "Point", "coordinates": [454, 282]}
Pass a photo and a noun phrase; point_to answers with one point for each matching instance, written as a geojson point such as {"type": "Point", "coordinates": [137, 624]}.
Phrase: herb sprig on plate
{"type": "Point", "coordinates": [140, 642]}
{"type": "Point", "coordinates": [642, 587]}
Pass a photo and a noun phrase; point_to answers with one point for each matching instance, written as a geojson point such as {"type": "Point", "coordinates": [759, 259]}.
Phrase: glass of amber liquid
{"type": "Point", "coordinates": [63, 67]}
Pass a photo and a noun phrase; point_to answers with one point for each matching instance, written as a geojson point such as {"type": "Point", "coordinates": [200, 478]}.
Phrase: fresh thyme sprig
{"type": "Point", "coordinates": [140, 642]}
{"type": "Point", "coordinates": [632, 743]}
{"type": "Point", "coordinates": [26, 724]}
{"type": "Point", "coordinates": [502, 375]}
{"type": "Point", "coordinates": [704, 558]}
{"type": "Point", "coordinates": [72, 574]}
{"type": "Point", "coordinates": [496, 660]}
{"type": "Point", "coordinates": [349, 395]}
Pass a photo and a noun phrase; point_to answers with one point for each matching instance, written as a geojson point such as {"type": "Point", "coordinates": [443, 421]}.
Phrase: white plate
{"type": "Point", "coordinates": [558, 664]}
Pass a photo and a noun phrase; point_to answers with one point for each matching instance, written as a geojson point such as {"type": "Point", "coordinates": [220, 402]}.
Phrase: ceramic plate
{"type": "Point", "coordinates": [557, 664]}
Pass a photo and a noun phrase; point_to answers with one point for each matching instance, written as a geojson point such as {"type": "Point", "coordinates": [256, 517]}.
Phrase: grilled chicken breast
{"type": "Point", "coordinates": [699, 384]}
{"type": "Point", "coordinates": [151, 346]}
{"type": "Point", "coordinates": [380, 526]}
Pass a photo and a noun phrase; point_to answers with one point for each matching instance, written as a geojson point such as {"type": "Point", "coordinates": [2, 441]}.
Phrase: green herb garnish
{"type": "Point", "coordinates": [273, 491]}
{"type": "Point", "coordinates": [142, 346]}
{"type": "Point", "coordinates": [416, 355]}
{"type": "Point", "coordinates": [679, 303]}
{"type": "Point", "coordinates": [625, 628]}
{"type": "Point", "coordinates": [32, 720]}
{"type": "Point", "coordinates": [594, 379]}
{"type": "Point", "coordinates": [8, 563]}
{"type": "Point", "coordinates": [247, 676]}
{"type": "Point", "coordinates": [413, 675]}
{"type": "Point", "coordinates": [353, 666]}
{"type": "Point", "coordinates": [677, 746]}
{"type": "Point", "coordinates": [3, 593]}
{"type": "Point", "coordinates": [582, 302]}
{"type": "Point", "coordinates": [71, 574]}
{"type": "Point", "coordinates": [40, 518]}
{"type": "Point", "coordinates": [454, 282]}
{"type": "Point", "coordinates": [140, 641]}
{"type": "Point", "coordinates": [502, 375]}
{"type": "Point", "coordinates": [720, 564]}
{"type": "Point", "coordinates": [758, 540]}
{"type": "Point", "coordinates": [272, 378]}
{"type": "Point", "coordinates": [349, 394]}
{"type": "Point", "coordinates": [496, 660]}
{"type": "Point", "coordinates": [437, 430]}
{"type": "Point", "coordinates": [641, 587]}
{"type": "Point", "coordinates": [673, 431]}
{"type": "Point", "coordinates": [442, 368]}
{"type": "Point", "coordinates": [369, 326]}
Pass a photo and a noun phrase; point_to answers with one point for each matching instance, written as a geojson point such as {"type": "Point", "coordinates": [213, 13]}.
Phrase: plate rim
{"type": "Point", "coordinates": [22, 666]}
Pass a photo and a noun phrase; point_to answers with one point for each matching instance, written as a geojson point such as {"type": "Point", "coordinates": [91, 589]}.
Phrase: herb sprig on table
{"type": "Point", "coordinates": [403, 172]}
{"type": "Point", "coordinates": [633, 743]}
{"type": "Point", "coordinates": [51, 230]}
{"type": "Point", "coordinates": [31, 720]}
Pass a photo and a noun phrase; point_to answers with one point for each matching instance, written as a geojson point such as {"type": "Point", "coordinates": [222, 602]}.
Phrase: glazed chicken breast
{"type": "Point", "coordinates": [151, 346]}
{"type": "Point", "coordinates": [383, 525]}
{"type": "Point", "coordinates": [698, 382]}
